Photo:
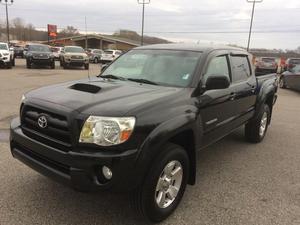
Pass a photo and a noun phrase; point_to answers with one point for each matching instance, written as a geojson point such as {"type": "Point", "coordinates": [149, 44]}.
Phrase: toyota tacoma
{"type": "Point", "coordinates": [138, 126]}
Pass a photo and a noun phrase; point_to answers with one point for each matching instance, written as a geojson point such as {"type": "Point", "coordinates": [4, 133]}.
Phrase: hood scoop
{"type": "Point", "coordinates": [86, 88]}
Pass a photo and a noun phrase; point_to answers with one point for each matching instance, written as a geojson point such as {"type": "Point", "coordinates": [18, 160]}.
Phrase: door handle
{"type": "Point", "coordinates": [232, 96]}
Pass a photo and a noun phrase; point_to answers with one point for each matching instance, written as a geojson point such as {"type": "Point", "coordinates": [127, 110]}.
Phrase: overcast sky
{"type": "Point", "coordinates": [276, 22]}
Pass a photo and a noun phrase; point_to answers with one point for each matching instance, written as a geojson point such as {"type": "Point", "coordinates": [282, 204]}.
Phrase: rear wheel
{"type": "Point", "coordinates": [164, 185]}
{"type": "Point", "coordinates": [256, 129]}
{"type": "Point", "coordinates": [96, 60]}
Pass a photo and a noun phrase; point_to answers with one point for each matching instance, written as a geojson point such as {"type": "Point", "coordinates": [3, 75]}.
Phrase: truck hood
{"type": "Point", "coordinates": [104, 97]}
{"type": "Point", "coordinates": [4, 51]}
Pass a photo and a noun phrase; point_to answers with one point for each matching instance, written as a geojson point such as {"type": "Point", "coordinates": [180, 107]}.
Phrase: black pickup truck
{"type": "Point", "coordinates": [137, 127]}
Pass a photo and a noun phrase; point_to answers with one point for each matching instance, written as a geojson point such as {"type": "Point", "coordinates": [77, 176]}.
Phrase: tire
{"type": "Point", "coordinates": [28, 65]}
{"type": "Point", "coordinates": [52, 66]}
{"type": "Point", "coordinates": [61, 64]}
{"type": "Point", "coordinates": [145, 198]}
{"type": "Point", "coordinates": [96, 60]}
{"type": "Point", "coordinates": [86, 66]}
{"type": "Point", "coordinates": [282, 83]}
{"type": "Point", "coordinates": [9, 65]}
{"type": "Point", "coordinates": [13, 62]}
{"type": "Point", "coordinates": [256, 129]}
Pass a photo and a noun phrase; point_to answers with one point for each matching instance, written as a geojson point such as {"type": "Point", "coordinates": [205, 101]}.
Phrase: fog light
{"type": "Point", "coordinates": [107, 173]}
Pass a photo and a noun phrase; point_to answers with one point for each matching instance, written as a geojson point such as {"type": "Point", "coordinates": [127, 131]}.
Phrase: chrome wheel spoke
{"type": "Point", "coordinates": [161, 198]}
{"type": "Point", "coordinates": [172, 192]}
{"type": "Point", "coordinates": [159, 185]}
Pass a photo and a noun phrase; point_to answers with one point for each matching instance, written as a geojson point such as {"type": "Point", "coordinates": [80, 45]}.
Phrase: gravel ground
{"type": "Point", "coordinates": [237, 182]}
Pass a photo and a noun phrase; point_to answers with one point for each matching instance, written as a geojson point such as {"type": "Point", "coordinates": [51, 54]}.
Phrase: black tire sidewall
{"type": "Point", "coordinates": [150, 207]}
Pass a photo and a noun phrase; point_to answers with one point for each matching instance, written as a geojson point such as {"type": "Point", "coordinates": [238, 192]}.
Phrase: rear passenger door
{"type": "Point", "coordinates": [243, 87]}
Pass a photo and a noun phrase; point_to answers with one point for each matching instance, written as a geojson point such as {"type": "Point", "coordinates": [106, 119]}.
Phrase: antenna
{"type": "Point", "coordinates": [86, 45]}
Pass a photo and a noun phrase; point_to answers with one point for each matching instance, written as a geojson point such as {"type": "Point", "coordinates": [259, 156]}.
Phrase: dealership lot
{"type": "Point", "coordinates": [237, 182]}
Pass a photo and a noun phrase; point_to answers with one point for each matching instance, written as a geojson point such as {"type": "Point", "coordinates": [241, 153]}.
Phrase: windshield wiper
{"type": "Point", "coordinates": [145, 81]}
{"type": "Point", "coordinates": [111, 76]}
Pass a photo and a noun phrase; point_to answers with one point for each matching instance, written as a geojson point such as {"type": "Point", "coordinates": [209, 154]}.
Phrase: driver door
{"type": "Point", "coordinates": [216, 106]}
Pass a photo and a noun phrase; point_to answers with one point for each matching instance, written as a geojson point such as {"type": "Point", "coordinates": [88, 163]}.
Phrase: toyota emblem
{"type": "Point", "coordinates": [42, 122]}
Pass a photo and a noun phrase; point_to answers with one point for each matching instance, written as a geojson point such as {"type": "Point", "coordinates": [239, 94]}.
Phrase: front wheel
{"type": "Point", "coordinates": [164, 185]}
{"type": "Point", "coordinates": [256, 129]}
{"type": "Point", "coordinates": [96, 60]}
{"type": "Point", "coordinates": [282, 83]}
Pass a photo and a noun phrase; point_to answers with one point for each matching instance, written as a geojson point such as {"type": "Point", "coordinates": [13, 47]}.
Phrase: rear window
{"type": "Point", "coordinates": [295, 61]}
{"type": "Point", "coordinates": [268, 60]}
{"type": "Point", "coordinates": [241, 68]}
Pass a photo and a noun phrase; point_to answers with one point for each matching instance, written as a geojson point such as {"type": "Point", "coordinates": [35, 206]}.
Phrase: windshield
{"type": "Point", "coordinates": [165, 67]}
{"type": "Point", "coordinates": [3, 47]}
{"type": "Point", "coordinates": [268, 60]}
{"type": "Point", "coordinates": [74, 49]}
{"type": "Point", "coordinates": [39, 48]}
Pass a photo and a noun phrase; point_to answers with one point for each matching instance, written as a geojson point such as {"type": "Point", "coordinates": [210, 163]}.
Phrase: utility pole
{"type": "Point", "coordinates": [252, 15]}
{"type": "Point", "coordinates": [7, 3]}
{"type": "Point", "coordinates": [143, 2]}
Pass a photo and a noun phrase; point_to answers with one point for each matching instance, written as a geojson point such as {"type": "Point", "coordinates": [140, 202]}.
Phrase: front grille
{"type": "Point", "coordinates": [41, 56]}
{"type": "Point", "coordinates": [76, 57]}
{"type": "Point", "coordinates": [56, 132]}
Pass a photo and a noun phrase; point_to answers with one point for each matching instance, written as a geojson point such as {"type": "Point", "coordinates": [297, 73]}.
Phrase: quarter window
{"type": "Point", "coordinates": [241, 68]}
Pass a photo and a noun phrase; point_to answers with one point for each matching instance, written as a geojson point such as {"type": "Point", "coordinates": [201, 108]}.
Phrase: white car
{"type": "Point", "coordinates": [6, 56]}
{"type": "Point", "coordinates": [110, 55]}
{"type": "Point", "coordinates": [56, 52]}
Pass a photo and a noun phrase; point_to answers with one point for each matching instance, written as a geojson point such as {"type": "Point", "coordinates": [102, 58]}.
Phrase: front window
{"type": "Point", "coordinates": [164, 67]}
{"type": "Point", "coordinates": [3, 47]}
{"type": "Point", "coordinates": [39, 48]}
{"type": "Point", "coordinates": [74, 50]}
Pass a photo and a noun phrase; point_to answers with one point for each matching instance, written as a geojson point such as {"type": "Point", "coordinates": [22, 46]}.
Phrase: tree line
{"type": "Point", "coordinates": [20, 30]}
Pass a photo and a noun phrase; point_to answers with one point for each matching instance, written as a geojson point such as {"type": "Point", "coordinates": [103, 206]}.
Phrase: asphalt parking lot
{"type": "Point", "coordinates": [237, 182]}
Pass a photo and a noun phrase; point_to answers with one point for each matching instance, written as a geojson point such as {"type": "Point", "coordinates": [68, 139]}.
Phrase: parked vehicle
{"type": "Point", "coordinates": [18, 52]}
{"type": "Point", "coordinates": [110, 55]}
{"type": "Point", "coordinates": [56, 52]}
{"type": "Point", "coordinates": [74, 56]}
{"type": "Point", "coordinates": [291, 62]}
{"type": "Point", "coordinates": [266, 65]}
{"type": "Point", "coordinates": [6, 56]}
{"type": "Point", "coordinates": [39, 55]}
{"type": "Point", "coordinates": [291, 78]}
{"type": "Point", "coordinates": [94, 55]}
{"type": "Point", "coordinates": [137, 127]}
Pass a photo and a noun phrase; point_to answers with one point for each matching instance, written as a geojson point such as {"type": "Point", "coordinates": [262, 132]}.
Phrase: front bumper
{"type": "Point", "coordinates": [81, 171]}
{"type": "Point", "coordinates": [37, 61]}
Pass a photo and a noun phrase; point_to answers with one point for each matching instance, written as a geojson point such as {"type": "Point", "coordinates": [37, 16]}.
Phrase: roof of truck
{"type": "Point", "coordinates": [190, 47]}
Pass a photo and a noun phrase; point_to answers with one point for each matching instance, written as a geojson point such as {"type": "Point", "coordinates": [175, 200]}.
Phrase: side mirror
{"type": "Point", "coordinates": [11, 49]}
{"type": "Point", "coordinates": [217, 82]}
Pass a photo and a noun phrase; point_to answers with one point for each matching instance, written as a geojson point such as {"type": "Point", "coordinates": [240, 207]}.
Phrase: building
{"type": "Point", "coordinates": [96, 41]}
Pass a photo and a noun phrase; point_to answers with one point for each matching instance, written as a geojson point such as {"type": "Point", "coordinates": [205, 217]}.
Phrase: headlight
{"type": "Point", "coordinates": [5, 53]}
{"type": "Point", "coordinates": [107, 131]}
